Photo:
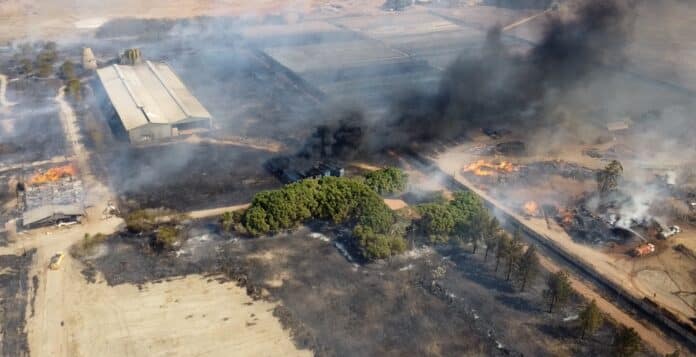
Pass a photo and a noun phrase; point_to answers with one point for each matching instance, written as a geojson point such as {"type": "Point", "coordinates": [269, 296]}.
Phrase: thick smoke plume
{"type": "Point", "coordinates": [496, 87]}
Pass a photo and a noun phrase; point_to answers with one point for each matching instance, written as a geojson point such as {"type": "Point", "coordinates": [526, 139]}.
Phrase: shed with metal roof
{"type": "Point", "coordinates": [151, 102]}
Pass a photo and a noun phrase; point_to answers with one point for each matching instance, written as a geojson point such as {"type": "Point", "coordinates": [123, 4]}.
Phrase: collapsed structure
{"type": "Point", "coordinates": [292, 169]}
{"type": "Point", "coordinates": [148, 101]}
{"type": "Point", "coordinates": [51, 197]}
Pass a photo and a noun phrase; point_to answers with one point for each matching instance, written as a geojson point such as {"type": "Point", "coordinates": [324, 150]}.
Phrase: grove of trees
{"type": "Point", "coordinates": [335, 199]}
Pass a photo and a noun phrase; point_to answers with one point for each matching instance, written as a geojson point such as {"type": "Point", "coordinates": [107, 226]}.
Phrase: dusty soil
{"type": "Point", "coordinates": [191, 315]}
{"type": "Point", "coordinates": [425, 302]}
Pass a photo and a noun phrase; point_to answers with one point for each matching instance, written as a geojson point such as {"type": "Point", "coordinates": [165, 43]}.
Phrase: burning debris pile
{"type": "Point", "coordinates": [606, 224]}
{"type": "Point", "coordinates": [52, 175]}
{"type": "Point", "coordinates": [52, 196]}
{"type": "Point", "coordinates": [531, 208]}
{"type": "Point", "coordinates": [491, 168]}
{"type": "Point", "coordinates": [500, 172]}
{"type": "Point", "coordinates": [289, 169]}
{"type": "Point", "coordinates": [584, 225]}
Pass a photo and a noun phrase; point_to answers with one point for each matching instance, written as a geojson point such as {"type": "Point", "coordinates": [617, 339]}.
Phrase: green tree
{"type": "Point", "coordinates": [608, 178]}
{"type": "Point", "coordinates": [558, 289]}
{"type": "Point", "coordinates": [590, 319]}
{"type": "Point", "coordinates": [230, 220]}
{"type": "Point", "coordinates": [377, 246]}
{"type": "Point", "coordinates": [492, 242]}
{"type": "Point", "coordinates": [67, 70]}
{"type": "Point", "coordinates": [255, 221]}
{"type": "Point", "coordinates": [74, 89]}
{"type": "Point", "coordinates": [337, 199]}
{"type": "Point", "coordinates": [387, 181]}
{"type": "Point", "coordinates": [626, 342]}
{"type": "Point", "coordinates": [26, 66]}
{"type": "Point", "coordinates": [527, 267]}
{"type": "Point", "coordinates": [501, 248]}
{"type": "Point", "coordinates": [45, 69]}
{"type": "Point", "coordinates": [513, 253]}
{"type": "Point", "coordinates": [437, 222]}
{"type": "Point", "coordinates": [167, 236]}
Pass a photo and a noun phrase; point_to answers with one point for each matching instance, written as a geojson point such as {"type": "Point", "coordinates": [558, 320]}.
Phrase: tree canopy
{"type": "Point", "coordinates": [608, 178]}
{"type": "Point", "coordinates": [387, 181]}
{"type": "Point", "coordinates": [558, 289]}
{"type": "Point", "coordinates": [464, 219]}
{"type": "Point", "coordinates": [626, 342]}
{"type": "Point", "coordinates": [336, 199]}
{"type": "Point", "coordinates": [527, 267]}
{"type": "Point", "coordinates": [590, 319]}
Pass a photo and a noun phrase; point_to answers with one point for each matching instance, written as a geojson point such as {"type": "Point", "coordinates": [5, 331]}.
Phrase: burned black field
{"type": "Point", "coordinates": [14, 301]}
{"type": "Point", "coordinates": [186, 176]}
{"type": "Point", "coordinates": [426, 302]}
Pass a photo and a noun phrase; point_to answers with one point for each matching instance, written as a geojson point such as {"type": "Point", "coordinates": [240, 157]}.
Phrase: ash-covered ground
{"type": "Point", "coordinates": [33, 109]}
{"type": "Point", "coordinates": [425, 302]}
{"type": "Point", "coordinates": [14, 300]}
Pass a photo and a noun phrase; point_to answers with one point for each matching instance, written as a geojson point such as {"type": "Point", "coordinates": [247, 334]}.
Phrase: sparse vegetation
{"type": "Point", "coordinates": [167, 236]}
{"type": "Point", "coordinates": [140, 221]}
{"type": "Point", "coordinates": [88, 242]}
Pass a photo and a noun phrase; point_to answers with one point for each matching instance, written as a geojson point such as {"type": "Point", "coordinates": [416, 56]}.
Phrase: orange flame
{"type": "Point", "coordinates": [531, 208]}
{"type": "Point", "coordinates": [53, 174]}
{"type": "Point", "coordinates": [483, 168]}
{"type": "Point", "coordinates": [566, 216]}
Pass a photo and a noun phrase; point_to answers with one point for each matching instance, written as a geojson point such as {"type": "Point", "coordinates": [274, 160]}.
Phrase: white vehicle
{"type": "Point", "coordinates": [56, 260]}
{"type": "Point", "coordinates": [670, 231]}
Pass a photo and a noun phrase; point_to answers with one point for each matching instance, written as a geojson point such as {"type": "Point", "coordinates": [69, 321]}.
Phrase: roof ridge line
{"type": "Point", "coordinates": [169, 91]}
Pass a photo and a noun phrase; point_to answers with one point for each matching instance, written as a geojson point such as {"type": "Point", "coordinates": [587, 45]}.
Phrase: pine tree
{"type": "Point", "coordinates": [558, 289]}
{"type": "Point", "coordinates": [590, 319]}
{"type": "Point", "coordinates": [527, 267]}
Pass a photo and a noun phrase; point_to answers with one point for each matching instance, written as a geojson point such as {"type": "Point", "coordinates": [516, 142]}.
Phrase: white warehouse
{"type": "Point", "coordinates": [148, 101]}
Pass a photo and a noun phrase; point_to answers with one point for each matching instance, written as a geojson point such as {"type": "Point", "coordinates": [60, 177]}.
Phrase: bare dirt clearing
{"type": "Point", "coordinates": [188, 316]}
